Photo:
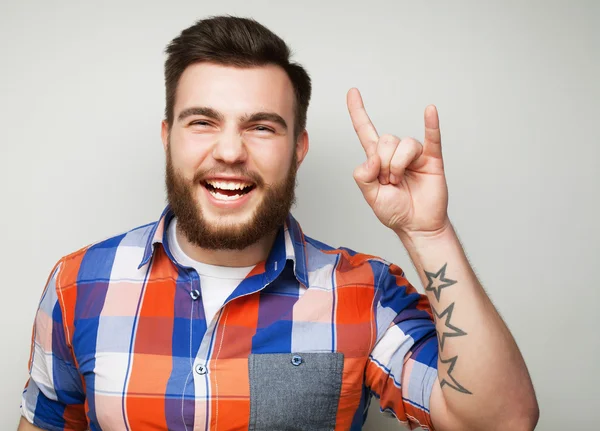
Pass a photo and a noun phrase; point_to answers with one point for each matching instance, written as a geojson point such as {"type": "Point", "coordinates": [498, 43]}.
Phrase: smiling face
{"type": "Point", "coordinates": [231, 154]}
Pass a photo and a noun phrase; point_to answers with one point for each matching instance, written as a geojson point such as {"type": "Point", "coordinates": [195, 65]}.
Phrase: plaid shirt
{"type": "Point", "coordinates": [120, 341]}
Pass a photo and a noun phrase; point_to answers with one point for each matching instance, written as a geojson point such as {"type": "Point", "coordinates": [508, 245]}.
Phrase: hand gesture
{"type": "Point", "coordinates": [402, 180]}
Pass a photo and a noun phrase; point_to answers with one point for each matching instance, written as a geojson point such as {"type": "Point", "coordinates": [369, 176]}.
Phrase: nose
{"type": "Point", "coordinates": [230, 148]}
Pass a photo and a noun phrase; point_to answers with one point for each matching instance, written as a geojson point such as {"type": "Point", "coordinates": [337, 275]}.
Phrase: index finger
{"type": "Point", "coordinates": [367, 134]}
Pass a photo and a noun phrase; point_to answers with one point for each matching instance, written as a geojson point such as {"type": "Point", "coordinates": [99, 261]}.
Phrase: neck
{"type": "Point", "coordinates": [251, 255]}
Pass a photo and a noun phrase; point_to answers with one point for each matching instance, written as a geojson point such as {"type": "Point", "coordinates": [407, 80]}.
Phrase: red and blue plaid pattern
{"type": "Point", "coordinates": [120, 340]}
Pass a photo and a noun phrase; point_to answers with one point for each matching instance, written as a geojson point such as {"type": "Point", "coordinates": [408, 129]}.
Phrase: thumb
{"type": "Point", "coordinates": [367, 177]}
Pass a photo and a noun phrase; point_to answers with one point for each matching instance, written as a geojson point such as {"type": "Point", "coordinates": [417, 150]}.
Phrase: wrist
{"type": "Point", "coordinates": [416, 239]}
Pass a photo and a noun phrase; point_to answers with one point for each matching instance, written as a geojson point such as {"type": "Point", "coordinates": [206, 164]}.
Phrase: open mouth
{"type": "Point", "coordinates": [228, 190]}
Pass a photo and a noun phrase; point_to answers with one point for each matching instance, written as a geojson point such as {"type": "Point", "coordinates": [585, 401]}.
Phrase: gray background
{"type": "Point", "coordinates": [516, 84]}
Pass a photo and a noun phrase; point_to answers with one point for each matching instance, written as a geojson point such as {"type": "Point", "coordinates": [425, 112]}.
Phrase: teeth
{"type": "Point", "coordinates": [224, 197]}
{"type": "Point", "coordinates": [228, 185]}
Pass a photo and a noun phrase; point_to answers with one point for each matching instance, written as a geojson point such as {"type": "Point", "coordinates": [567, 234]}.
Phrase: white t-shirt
{"type": "Point", "coordinates": [216, 282]}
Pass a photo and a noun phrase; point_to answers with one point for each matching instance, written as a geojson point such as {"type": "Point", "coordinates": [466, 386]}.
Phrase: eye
{"type": "Point", "coordinates": [261, 128]}
{"type": "Point", "coordinates": [200, 123]}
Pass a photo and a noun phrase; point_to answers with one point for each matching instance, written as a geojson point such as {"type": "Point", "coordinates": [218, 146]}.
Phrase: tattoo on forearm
{"type": "Point", "coordinates": [438, 281]}
{"type": "Point", "coordinates": [446, 377]}
{"type": "Point", "coordinates": [452, 331]}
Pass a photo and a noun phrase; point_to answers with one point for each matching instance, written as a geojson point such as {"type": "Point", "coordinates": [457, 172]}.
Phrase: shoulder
{"type": "Point", "coordinates": [350, 266]}
{"type": "Point", "coordinates": [96, 260]}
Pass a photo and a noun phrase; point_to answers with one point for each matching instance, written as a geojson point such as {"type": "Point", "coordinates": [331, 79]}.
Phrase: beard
{"type": "Point", "coordinates": [270, 214]}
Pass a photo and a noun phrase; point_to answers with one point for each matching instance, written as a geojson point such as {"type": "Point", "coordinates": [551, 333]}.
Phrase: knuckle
{"type": "Point", "coordinates": [401, 156]}
{"type": "Point", "coordinates": [389, 139]}
{"type": "Point", "coordinates": [410, 142]}
{"type": "Point", "coordinates": [404, 150]}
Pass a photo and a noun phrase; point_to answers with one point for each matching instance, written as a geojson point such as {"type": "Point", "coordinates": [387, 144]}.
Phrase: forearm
{"type": "Point", "coordinates": [482, 374]}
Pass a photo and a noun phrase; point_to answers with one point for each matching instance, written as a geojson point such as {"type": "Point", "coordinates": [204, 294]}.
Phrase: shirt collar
{"type": "Point", "coordinates": [291, 244]}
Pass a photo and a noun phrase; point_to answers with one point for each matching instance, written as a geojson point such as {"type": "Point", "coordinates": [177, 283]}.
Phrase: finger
{"type": "Point", "coordinates": [364, 128]}
{"type": "Point", "coordinates": [386, 147]}
{"type": "Point", "coordinates": [433, 137]}
{"type": "Point", "coordinates": [407, 152]}
{"type": "Point", "coordinates": [366, 177]}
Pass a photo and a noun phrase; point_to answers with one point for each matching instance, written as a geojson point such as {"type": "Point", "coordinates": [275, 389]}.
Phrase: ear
{"type": "Point", "coordinates": [301, 147]}
{"type": "Point", "coordinates": [164, 134]}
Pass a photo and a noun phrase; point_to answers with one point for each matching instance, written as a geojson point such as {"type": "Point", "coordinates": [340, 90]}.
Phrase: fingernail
{"type": "Point", "coordinates": [393, 179]}
{"type": "Point", "coordinates": [380, 178]}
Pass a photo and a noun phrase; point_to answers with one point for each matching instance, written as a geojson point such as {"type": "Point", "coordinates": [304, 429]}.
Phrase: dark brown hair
{"type": "Point", "coordinates": [233, 41]}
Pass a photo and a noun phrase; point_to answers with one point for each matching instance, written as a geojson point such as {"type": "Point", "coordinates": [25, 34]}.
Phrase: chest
{"type": "Point", "coordinates": [157, 363]}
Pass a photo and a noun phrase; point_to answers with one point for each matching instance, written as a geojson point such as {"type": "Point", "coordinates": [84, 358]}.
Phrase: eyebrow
{"type": "Point", "coordinates": [248, 118]}
{"type": "Point", "coordinates": [200, 110]}
{"type": "Point", "coordinates": [265, 116]}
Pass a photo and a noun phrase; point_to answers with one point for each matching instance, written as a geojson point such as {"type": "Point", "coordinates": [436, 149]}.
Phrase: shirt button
{"type": "Point", "coordinates": [296, 360]}
{"type": "Point", "coordinates": [201, 369]}
{"type": "Point", "coordinates": [195, 294]}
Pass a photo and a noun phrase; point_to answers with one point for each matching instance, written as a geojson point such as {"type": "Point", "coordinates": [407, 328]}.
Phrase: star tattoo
{"type": "Point", "coordinates": [438, 281]}
{"type": "Point", "coordinates": [453, 330]}
{"type": "Point", "coordinates": [452, 383]}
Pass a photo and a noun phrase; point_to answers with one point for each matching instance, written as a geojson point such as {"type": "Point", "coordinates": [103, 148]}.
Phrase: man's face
{"type": "Point", "coordinates": [231, 154]}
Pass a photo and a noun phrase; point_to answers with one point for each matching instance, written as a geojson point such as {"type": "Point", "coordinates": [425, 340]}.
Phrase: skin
{"type": "Point", "coordinates": [483, 382]}
{"type": "Point", "coordinates": [403, 181]}
{"type": "Point", "coordinates": [204, 142]}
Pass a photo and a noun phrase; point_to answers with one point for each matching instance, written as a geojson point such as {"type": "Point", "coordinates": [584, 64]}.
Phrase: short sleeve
{"type": "Point", "coordinates": [402, 367]}
{"type": "Point", "coordinates": [53, 398]}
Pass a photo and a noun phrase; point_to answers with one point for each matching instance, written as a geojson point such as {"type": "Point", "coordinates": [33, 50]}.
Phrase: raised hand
{"type": "Point", "coordinates": [402, 180]}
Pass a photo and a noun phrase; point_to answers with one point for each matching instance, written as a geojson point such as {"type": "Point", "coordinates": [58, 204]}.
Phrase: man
{"type": "Point", "coordinates": [224, 315]}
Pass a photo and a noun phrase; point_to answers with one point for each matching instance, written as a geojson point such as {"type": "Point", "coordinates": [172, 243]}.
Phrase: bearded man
{"type": "Point", "coordinates": [224, 315]}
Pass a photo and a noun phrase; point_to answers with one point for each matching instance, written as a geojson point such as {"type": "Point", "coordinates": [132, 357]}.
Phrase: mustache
{"type": "Point", "coordinates": [240, 171]}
